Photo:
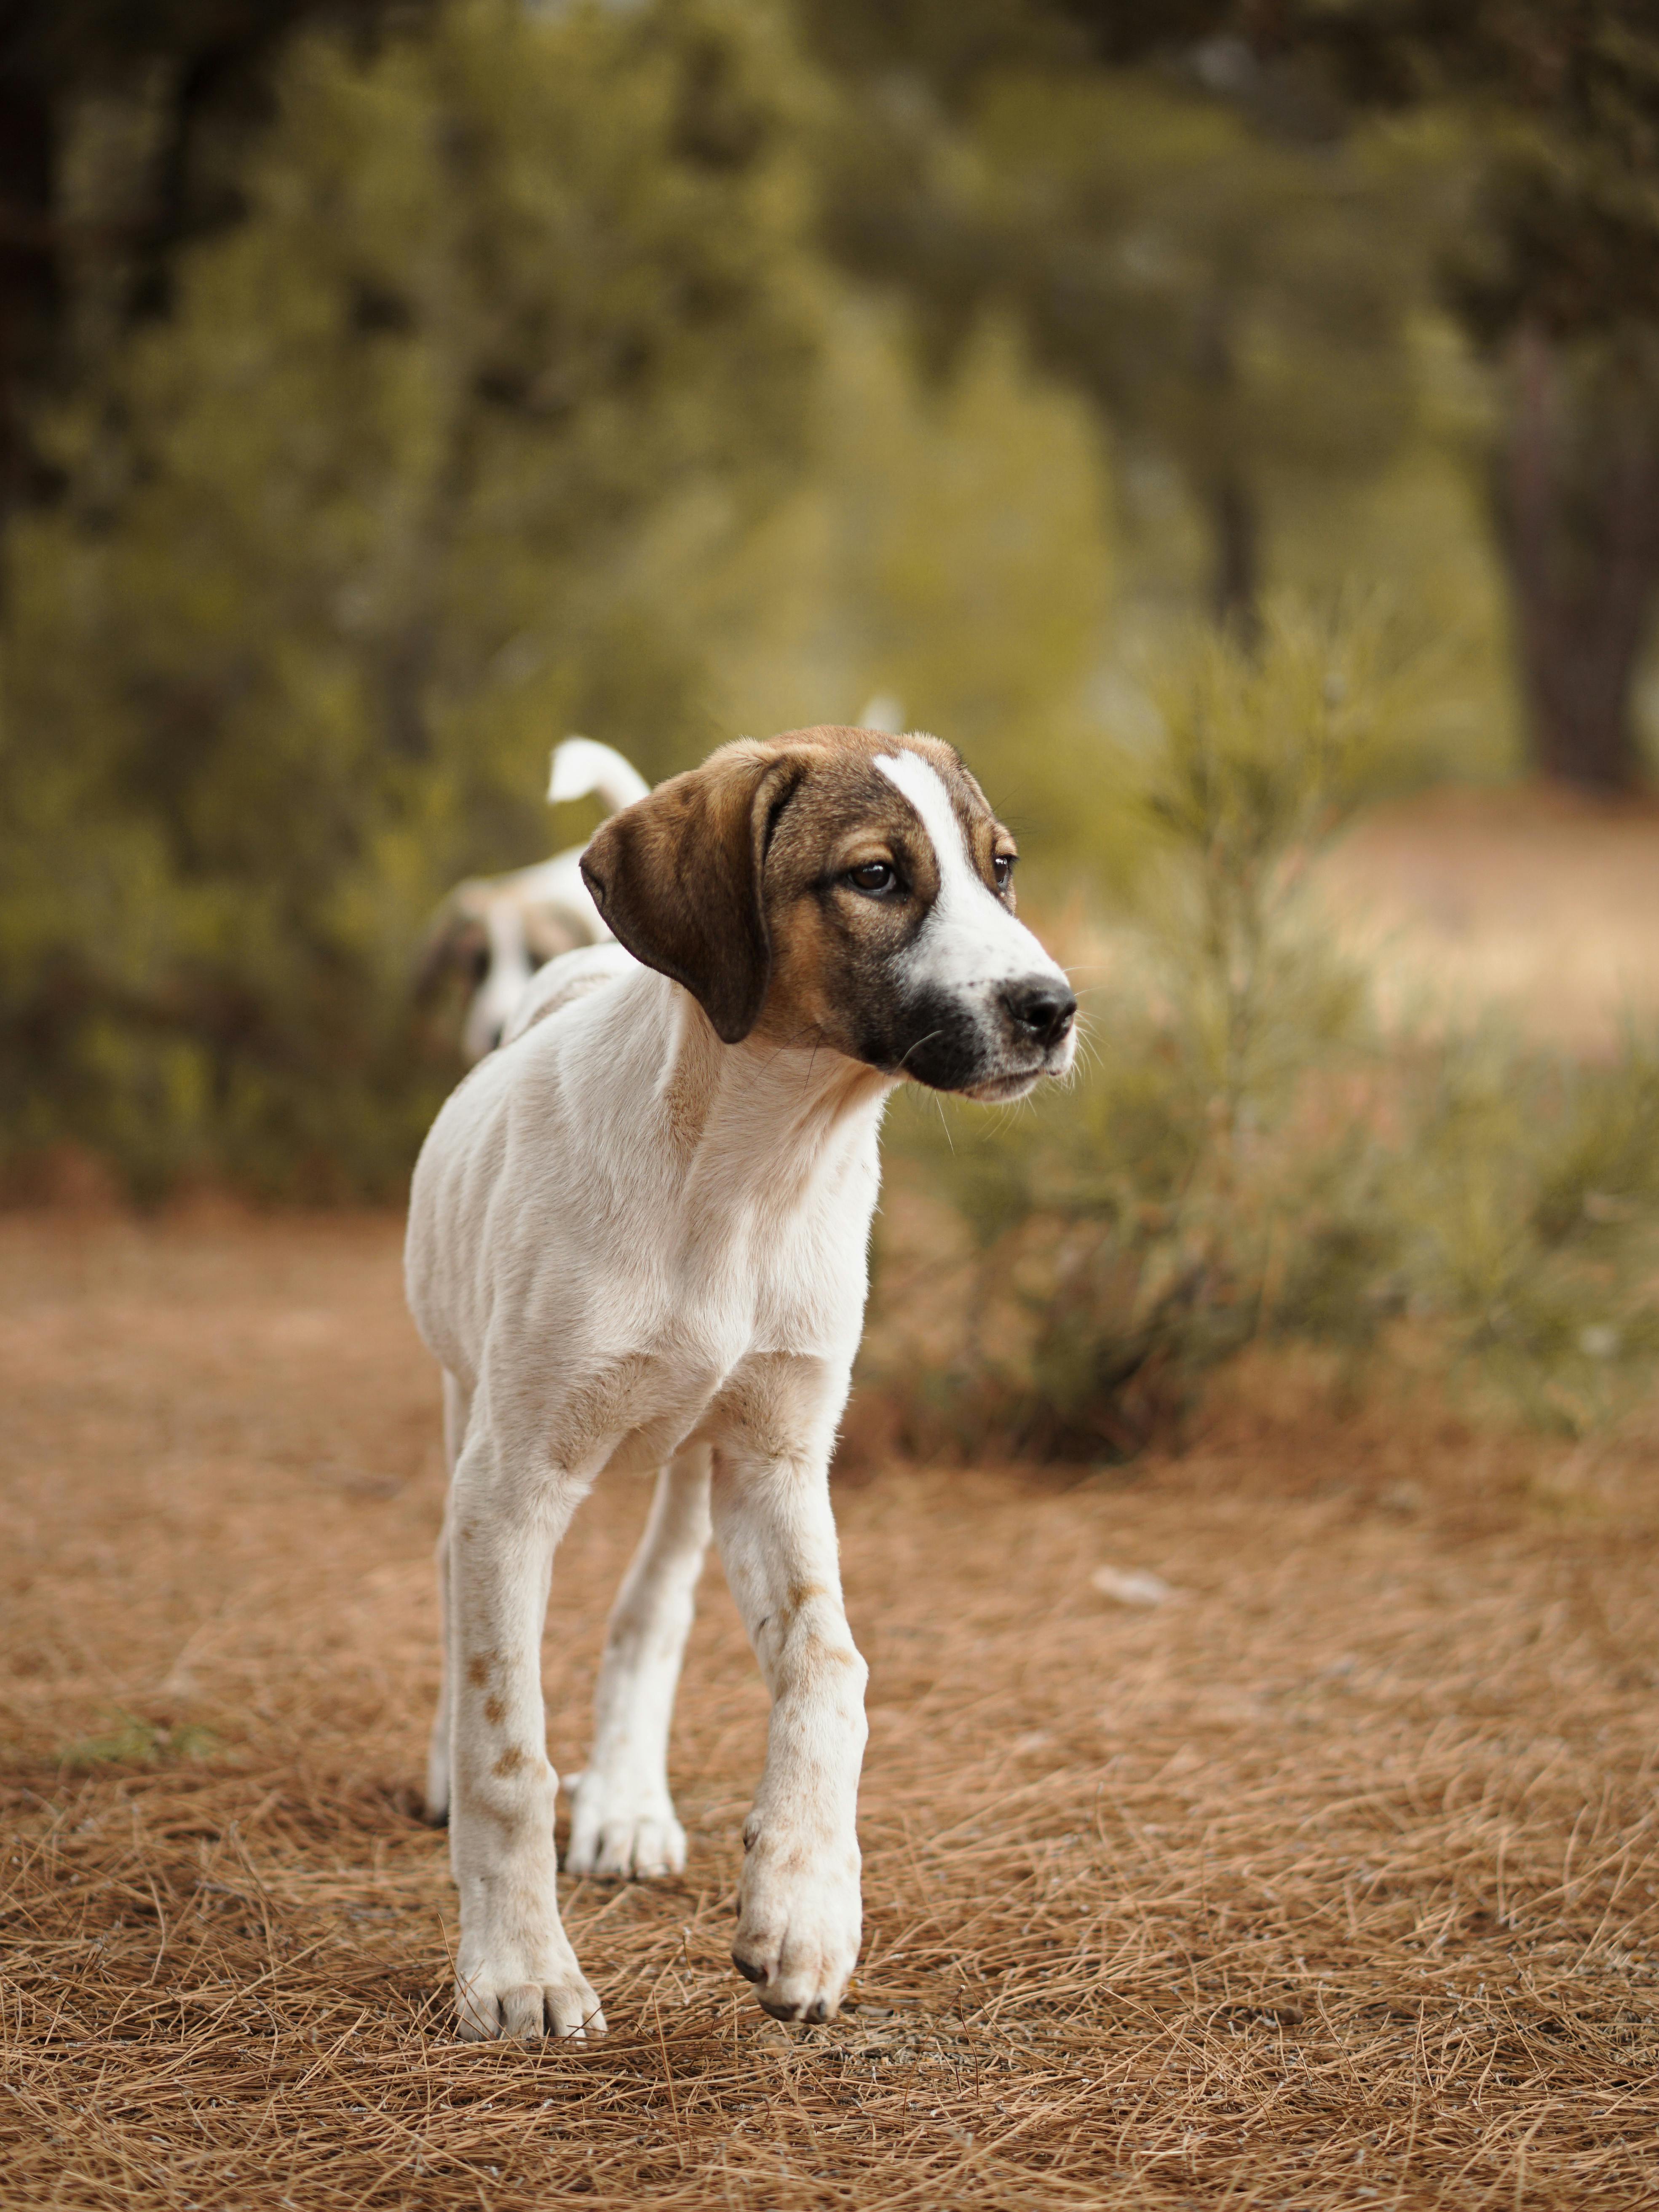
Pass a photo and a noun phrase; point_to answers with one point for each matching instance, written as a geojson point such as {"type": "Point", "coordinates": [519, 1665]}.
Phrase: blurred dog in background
{"type": "Point", "coordinates": [498, 930]}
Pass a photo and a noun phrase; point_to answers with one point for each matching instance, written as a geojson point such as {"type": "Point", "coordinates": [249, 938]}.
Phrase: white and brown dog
{"type": "Point", "coordinates": [637, 1241]}
{"type": "Point", "coordinates": [497, 931]}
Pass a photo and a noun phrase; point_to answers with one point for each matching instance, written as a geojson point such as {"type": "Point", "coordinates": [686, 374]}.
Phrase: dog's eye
{"type": "Point", "coordinates": [1002, 867]}
{"type": "Point", "coordinates": [874, 876]}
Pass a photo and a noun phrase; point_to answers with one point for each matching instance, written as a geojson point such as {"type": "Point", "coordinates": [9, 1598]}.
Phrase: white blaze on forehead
{"type": "Point", "coordinates": [970, 936]}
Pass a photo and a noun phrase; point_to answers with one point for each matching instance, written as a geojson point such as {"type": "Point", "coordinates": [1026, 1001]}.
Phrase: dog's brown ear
{"type": "Point", "coordinates": [678, 878]}
{"type": "Point", "coordinates": [455, 936]}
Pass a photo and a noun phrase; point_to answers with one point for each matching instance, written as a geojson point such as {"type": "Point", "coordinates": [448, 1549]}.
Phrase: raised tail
{"type": "Point", "coordinates": [581, 765]}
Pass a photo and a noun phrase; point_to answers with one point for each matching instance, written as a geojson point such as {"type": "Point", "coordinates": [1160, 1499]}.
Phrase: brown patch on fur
{"type": "Point", "coordinates": [687, 1096]}
{"type": "Point", "coordinates": [678, 878]}
{"type": "Point", "coordinates": [732, 880]}
{"type": "Point", "coordinates": [458, 933]}
{"type": "Point", "coordinates": [480, 1666]}
{"type": "Point", "coordinates": [494, 1712]}
{"type": "Point", "coordinates": [773, 1409]}
{"type": "Point", "coordinates": [600, 1407]}
{"type": "Point", "coordinates": [510, 1760]}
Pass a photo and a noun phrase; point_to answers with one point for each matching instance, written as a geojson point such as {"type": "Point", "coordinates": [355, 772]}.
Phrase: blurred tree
{"type": "Point", "coordinates": [1559, 279]}
{"type": "Point", "coordinates": [189, 78]}
{"type": "Point", "coordinates": [950, 547]}
{"type": "Point", "coordinates": [1233, 296]}
{"type": "Point", "coordinates": [345, 540]}
{"type": "Point", "coordinates": [1556, 274]}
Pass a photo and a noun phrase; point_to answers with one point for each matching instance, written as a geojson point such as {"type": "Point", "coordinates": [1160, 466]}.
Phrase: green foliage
{"type": "Point", "coordinates": [133, 1742]}
{"type": "Point", "coordinates": [951, 546]}
{"type": "Point", "coordinates": [1526, 1209]}
{"type": "Point", "coordinates": [1556, 267]}
{"type": "Point", "coordinates": [347, 546]}
{"type": "Point", "coordinates": [492, 387]}
{"type": "Point", "coordinates": [1244, 1154]}
{"type": "Point", "coordinates": [1233, 296]}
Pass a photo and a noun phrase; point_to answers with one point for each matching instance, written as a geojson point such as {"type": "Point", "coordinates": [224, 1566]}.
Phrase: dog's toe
{"type": "Point", "coordinates": [574, 2012]}
{"type": "Point", "coordinates": [522, 2010]}
{"type": "Point", "coordinates": [523, 1990]}
{"type": "Point", "coordinates": [619, 1838]}
{"type": "Point", "coordinates": [797, 1928]}
{"type": "Point", "coordinates": [645, 1850]}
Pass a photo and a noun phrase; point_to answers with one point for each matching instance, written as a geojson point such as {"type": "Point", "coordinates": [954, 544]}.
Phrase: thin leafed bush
{"type": "Point", "coordinates": [1245, 1151]}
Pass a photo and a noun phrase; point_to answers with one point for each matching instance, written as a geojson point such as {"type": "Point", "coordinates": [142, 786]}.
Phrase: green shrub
{"type": "Point", "coordinates": [344, 546]}
{"type": "Point", "coordinates": [1243, 1152]}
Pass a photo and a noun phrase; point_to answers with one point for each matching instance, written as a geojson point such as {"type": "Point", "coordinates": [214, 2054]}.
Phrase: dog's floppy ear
{"type": "Point", "coordinates": [678, 878]}
{"type": "Point", "coordinates": [455, 937]}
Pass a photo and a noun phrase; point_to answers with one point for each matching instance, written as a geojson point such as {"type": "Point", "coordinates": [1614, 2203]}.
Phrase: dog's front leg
{"type": "Point", "coordinates": [799, 1916]}
{"type": "Point", "coordinates": [622, 1821]}
{"type": "Point", "coordinates": [515, 1973]}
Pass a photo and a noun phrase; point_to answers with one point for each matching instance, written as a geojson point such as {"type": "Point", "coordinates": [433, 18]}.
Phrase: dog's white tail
{"type": "Point", "coordinates": [581, 765]}
{"type": "Point", "coordinates": [882, 711]}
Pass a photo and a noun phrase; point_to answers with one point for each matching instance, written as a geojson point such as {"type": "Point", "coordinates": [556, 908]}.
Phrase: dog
{"type": "Point", "coordinates": [500, 930]}
{"type": "Point", "coordinates": [637, 1242]}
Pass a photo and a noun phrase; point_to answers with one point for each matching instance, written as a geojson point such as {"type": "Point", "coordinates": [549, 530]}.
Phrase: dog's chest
{"type": "Point", "coordinates": [772, 1283]}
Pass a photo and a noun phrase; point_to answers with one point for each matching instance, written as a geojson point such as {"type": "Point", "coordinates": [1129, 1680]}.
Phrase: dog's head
{"type": "Point", "coordinates": [495, 941]}
{"type": "Point", "coordinates": [845, 888]}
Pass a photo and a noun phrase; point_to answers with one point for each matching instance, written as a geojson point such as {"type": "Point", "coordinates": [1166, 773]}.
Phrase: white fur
{"type": "Point", "coordinates": [551, 890]}
{"type": "Point", "coordinates": [581, 766]}
{"type": "Point", "coordinates": [635, 1249]}
{"type": "Point", "coordinates": [971, 945]}
{"type": "Point", "coordinates": [610, 1284]}
{"type": "Point", "coordinates": [570, 976]}
{"type": "Point", "coordinates": [622, 1819]}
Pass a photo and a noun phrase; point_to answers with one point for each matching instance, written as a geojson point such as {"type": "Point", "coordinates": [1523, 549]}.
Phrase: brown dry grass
{"type": "Point", "coordinates": [1330, 1881]}
{"type": "Point", "coordinates": [1535, 898]}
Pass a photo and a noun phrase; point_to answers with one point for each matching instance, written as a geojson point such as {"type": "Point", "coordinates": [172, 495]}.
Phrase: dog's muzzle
{"type": "Point", "coordinates": [1040, 1011]}
{"type": "Point", "coordinates": [993, 1041]}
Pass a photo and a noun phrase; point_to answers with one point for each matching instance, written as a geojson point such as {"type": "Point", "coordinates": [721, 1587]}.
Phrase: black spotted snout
{"type": "Point", "coordinates": [1040, 1007]}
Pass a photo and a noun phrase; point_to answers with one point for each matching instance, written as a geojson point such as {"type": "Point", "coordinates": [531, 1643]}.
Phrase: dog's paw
{"type": "Point", "coordinates": [799, 1921]}
{"type": "Point", "coordinates": [622, 1832]}
{"type": "Point", "coordinates": [517, 1989]}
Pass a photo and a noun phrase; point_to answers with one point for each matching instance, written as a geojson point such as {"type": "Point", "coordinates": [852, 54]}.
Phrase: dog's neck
{"type": "Point", "coordinates": [764, 1106]}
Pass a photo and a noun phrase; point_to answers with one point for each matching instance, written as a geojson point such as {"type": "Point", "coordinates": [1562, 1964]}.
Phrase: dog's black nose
{"type": "Point", "coordinates": [1041, 1008]}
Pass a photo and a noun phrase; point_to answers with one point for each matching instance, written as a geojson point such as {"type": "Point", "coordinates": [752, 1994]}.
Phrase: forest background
{"type": "Point", "coordinates": [1208, 417]}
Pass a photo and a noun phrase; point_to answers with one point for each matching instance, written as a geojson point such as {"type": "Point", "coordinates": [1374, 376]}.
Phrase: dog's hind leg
{"type": "Point", "coordinates": [623, 1818]}
{"type": "Point", "coordinates": [437, 1757]}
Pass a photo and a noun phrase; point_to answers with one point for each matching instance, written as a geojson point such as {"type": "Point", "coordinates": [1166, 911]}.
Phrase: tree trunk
{"type": "Point", "coordinates": [30, 280]}
{"type": "Point", "coordinates": [1229, 498]}
{"type": "Point", "coordinates": [1578, 512]}
{"type": "Point", "coordinates": [1236, 584]}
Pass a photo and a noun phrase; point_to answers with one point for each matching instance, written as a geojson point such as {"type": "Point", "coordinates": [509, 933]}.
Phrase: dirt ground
{"type": "Point", "coordinates": [1329, 1881]}
{"type": "Point", "coordinates": [1536, 899]}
